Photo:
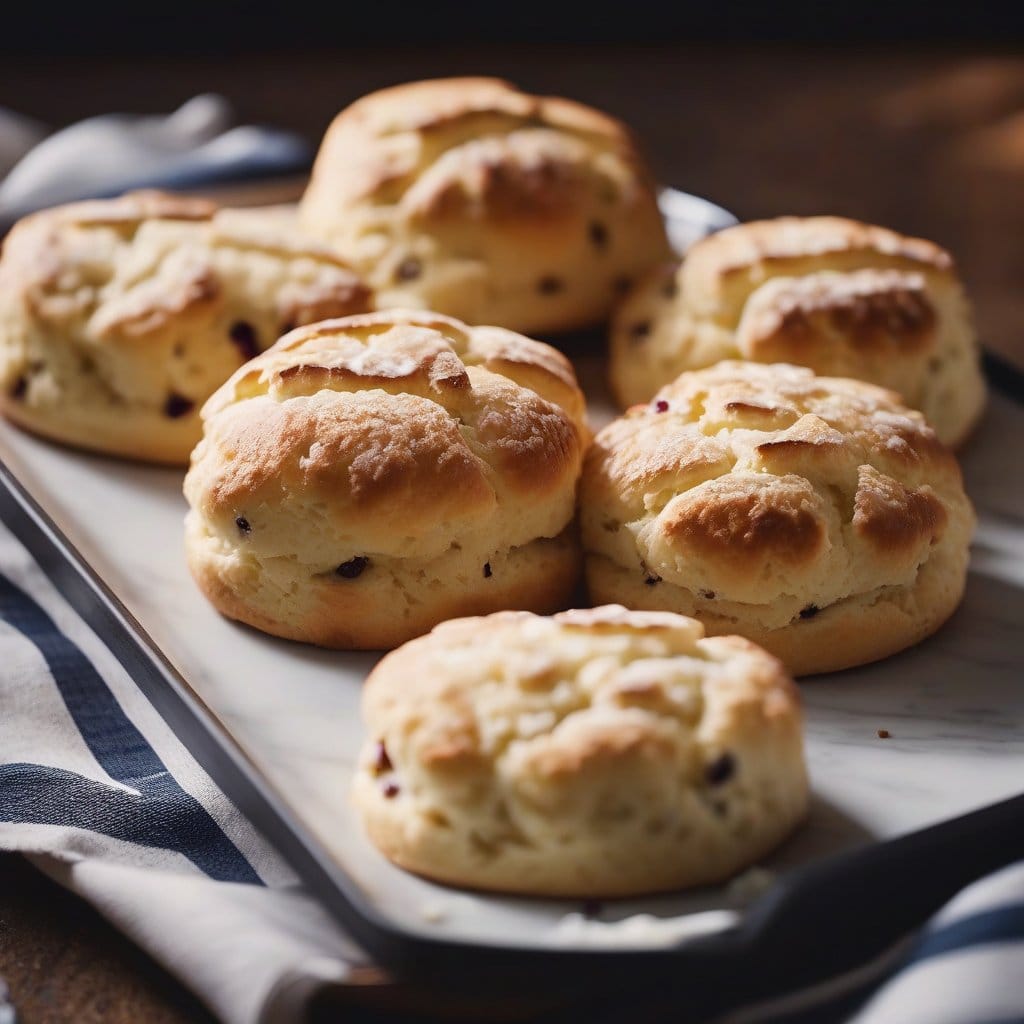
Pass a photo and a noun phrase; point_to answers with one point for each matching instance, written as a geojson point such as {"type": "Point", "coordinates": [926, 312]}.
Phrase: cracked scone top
{"type": "Point", "coordinates": [843, 298]}
{"type": "Point", "coordinates": [119, 318]}
{"type": "Point", "coordinates": [469, 197]}
{"type": "Point", "coordinates": [817, 516]}
{"type": "Point", "coordinates": [367, 477]}
{"type": "Point", "coordinates": [594, 753]}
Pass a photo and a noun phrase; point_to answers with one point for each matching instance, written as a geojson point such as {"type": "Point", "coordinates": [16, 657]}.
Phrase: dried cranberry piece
{"type": "Point", "coordinates": [390, 790]}
{"type": "Point", "coordinates": [381, 761]}
{"type": "Point", "coordinates": [598, 234]}
{"type": "Point", "coordinates": [487, 570]}
{"type": "Point", "coordinates": [177, 406]}
{"type": "Point", "coordinates": [409, 269]}
{"type": "Point", "coordinates": [809, 612]}
{"type": "Point", "coordinates": [353, 567]}
{"type": "Point", "coordinates": [661, 405]}
{"type": "Point", "coordinates": [243, 524]}
{"type": "Point", "coordinates": [245, 338]}
{"type": "Point", "coordinates": [721, 769]}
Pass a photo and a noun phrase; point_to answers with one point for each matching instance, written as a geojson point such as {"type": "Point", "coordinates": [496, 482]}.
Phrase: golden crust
{"type": "Point", "coordinates": [593, 753]}
{"type": "Point", "coordinates": [735, 520]}
{"type": "Point", "coordinates": [841, 297]}
{"type": "Point", "coordinates": [118, 318]}
{"type": "Point", "coordinates": [762, 498]}
{"type": "Point", "coordinates": [388, 443]}
{"type": "Point", "coordinates": [471, 197]}
{"type": "Point", "coordinates": [883, 312]}
{"type": "Point", "coordinates": [730, 261]}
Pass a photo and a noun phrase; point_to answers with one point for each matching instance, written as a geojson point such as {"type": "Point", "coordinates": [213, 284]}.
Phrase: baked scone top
{"type": "Point", "coordinates": [378, 147]}
{"type": "Point", "coordinates": [559, 737]}
{"type": "Point", "coordinates": [773, 488]}
{"type": "Point", "coordinates": [721, 271]}
{"type": "Point", "coordinates": [628, 678]}
{"type": "Point", "coordinates": [840, 296]}
{"type": "Point", "coordinates": [142, 265]}
{"type": "Point", "coordinates": [396, 432]}
{"type": "Point", "coordinates": [459, 191]}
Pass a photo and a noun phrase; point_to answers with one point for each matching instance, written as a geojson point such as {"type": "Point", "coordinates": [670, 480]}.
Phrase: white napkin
{"type": "Point", "coordinates": [109, 154]}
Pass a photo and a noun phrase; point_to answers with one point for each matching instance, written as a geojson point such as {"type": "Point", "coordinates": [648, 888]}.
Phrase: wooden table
{"type": "Point", "coordinates": [928, 143]}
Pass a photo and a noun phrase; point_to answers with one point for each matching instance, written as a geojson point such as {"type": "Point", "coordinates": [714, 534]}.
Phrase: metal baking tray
{"type": "Point", "coordinates": [896, 826]}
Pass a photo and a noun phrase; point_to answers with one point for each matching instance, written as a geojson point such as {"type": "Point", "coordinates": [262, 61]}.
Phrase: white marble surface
{"type": "Point", "coordinates": [954, 705]}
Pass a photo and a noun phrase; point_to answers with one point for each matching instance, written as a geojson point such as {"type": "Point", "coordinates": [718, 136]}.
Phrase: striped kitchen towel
{"type": "Point", "coordinates": [100, 794]}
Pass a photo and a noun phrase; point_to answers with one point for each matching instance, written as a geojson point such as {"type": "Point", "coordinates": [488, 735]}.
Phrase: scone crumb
{"type": "Point", "coordinates": [433, 913]}
{"type": "Point", "coordinates": [884, 734]}
{"type": "Point", "coordinates": [746, 888]}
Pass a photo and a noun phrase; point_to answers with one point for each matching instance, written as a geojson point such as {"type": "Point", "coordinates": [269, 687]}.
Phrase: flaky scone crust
{"type": "Point", "coordinates": [841, 297]}
{"type": "Point", "coordinates": [119, 318]}
{"type": "Point", "coordinates": [472, 198]}
{"type": "Point", "coordinates": [368, 477]}
{"type": "Point", "coordinates": [817, 516]}
{"type": "Point", "coordinates": [596, 753]}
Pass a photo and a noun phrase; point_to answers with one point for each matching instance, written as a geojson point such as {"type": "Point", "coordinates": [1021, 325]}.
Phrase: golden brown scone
{"type": "Point", "coordinates": [595, 753]}
{"type": "Point", "coordinates": [368, 477]}
{"type": "Point", "coordinates": [469, 197]}
{"type": "Point", "coordinates": [817, 516]}
{"type": "Point", "coordinates": [844, 298]}
{"type": "Point", "coordinates": [119, 318]}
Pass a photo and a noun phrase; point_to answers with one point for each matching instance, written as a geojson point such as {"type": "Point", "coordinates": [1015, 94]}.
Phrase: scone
{"type": "Point", "coordinates": [119, 318]}
{"type": "Point", "coordinates": [368, 477]}
{"type": "Point", "coordinates": [817, 516]}
{"type": "Point", "coordinates": [471, 198]}
{"type": "Point", "coordinates": [844, 298]}
{"type": "Point", "coordinates": [594, 753]}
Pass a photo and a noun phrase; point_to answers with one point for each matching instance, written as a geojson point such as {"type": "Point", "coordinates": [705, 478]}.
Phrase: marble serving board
{"type": "Point", "coordinates": [953, 707]}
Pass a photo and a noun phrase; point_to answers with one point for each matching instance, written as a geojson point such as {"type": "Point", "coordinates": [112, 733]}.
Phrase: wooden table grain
{"type": "Point", "coordinates": [930, 143]}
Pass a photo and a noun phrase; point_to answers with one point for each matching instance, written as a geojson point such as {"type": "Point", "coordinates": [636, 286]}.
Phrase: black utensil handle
{"type": "Point", "coordinates": [866, 900]}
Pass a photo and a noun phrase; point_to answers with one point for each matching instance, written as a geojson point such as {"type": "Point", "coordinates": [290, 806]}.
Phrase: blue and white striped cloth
{"type": "Point", "coordinates": [98, 792]}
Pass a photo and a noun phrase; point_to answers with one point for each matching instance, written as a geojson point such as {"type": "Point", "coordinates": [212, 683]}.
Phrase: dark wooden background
{"type": "Point", "coordinates": [926, 141]}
